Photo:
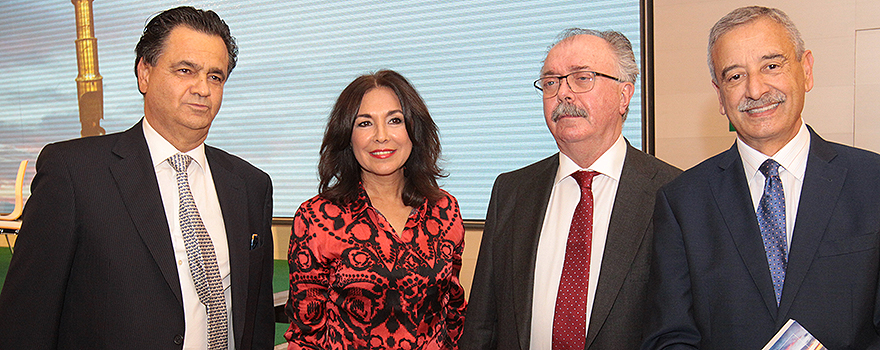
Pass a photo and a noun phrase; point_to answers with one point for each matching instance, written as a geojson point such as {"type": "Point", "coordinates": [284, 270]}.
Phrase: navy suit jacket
{"type": "Point", "coordinates": [710, 281]}
{"type": "Point", "coordinates": [94, 267]}
{"type": "Point", "coordinates": [499, 314]}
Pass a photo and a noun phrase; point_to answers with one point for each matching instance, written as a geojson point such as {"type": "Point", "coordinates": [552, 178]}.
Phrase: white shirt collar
{"type": "Point", "coordinates": [161, 149]}
{"type": "Point", "coordinates": [609, 163]}
{"type": "Point", "coordinates": [792, 157]}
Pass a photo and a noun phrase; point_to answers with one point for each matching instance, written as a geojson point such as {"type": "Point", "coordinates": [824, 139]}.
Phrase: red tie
{"type": "Point", "coordinates": [570, 318]}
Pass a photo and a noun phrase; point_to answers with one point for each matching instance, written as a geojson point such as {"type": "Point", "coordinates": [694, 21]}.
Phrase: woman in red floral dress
{"type": "Point", "coordinates": [375, 257]}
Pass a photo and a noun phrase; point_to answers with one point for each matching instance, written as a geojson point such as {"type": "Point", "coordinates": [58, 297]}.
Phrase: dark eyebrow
{"type": "Point", "coordinates": [367, 115]}
{"type": "Point", "coordinates": [197, 67]}
{"type": "Point", "coordinates": [772, 56]}
{"type": "Point", "coordinates": [728, 69]}
{"type": "Point", "coordinates": [391, 112]}
{"type": "Point", "coordinates": [189, 64]}
{"type": "Point", "coordinates": [219, 72]}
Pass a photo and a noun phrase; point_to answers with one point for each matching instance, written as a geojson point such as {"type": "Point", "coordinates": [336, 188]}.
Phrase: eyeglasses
{"type": "Point", "coordinates": [578, 82]}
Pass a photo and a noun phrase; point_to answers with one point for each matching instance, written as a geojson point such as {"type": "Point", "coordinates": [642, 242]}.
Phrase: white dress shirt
{"type": "Point", "coordinates": [202, 186]}
{"type": "Point", "coordinates": [792, 159]}
{"type": "Point", "coordinates": [564, 198]}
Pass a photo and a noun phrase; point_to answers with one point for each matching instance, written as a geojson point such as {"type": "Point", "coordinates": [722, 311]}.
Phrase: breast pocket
{"type": "Point", "coordinates": [849, 245]}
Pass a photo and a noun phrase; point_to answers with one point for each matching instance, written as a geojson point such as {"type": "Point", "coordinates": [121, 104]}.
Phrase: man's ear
{"type": "Point", "coordinates": [807, 62]}
{"type": "Point", "coordinates": [143, 76]}
{"type": "Point", "coordinates": [627, 90]}
{"type": "Point", "coordinates": [720, 102]}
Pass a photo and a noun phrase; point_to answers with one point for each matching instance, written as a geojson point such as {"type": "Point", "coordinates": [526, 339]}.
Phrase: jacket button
{"type": "Point", "coordinates": [178, 339]}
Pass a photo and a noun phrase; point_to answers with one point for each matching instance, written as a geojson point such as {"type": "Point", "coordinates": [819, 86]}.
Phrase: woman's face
{"type": "Point", "coordinates": [378, 138]}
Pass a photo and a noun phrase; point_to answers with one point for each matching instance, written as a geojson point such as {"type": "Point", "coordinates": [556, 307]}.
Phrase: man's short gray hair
{"type": "Point", "coordinates": [745, 15]}
{"type": "Point", "coordinates": [627, 69]}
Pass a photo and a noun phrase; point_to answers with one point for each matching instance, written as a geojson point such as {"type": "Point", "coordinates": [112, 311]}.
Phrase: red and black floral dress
{"type": "Point", "coordinates": [355, 284]}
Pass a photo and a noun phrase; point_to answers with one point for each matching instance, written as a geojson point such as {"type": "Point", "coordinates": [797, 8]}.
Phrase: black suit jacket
{"type": "Point", "coordinates": [500, 306]}
{"type": "Point", "coordinates": [94, 267]}
{"type": "Point", "coordinates": [711, 285]}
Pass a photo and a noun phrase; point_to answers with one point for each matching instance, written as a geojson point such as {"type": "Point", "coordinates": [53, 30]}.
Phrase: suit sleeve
{"type": "Point", "coordinates": [479, 326]}
{"type": "Point", "coordinates": [671, 325]}
{"type": "Point", "coordinates": [33, 295]}
{"type": "Point", "coordinates": [264, 328]}
{"type": "Point", "coordinates": [309, 287]}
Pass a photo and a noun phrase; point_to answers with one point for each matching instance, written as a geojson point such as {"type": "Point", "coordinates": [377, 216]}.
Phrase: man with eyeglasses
{"type": "Point", "coordinates": [564, 257]}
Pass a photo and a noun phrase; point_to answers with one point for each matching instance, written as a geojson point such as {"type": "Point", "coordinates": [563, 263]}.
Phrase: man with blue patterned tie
{"type": "Point", "coordinates": [148, 238]}
{"type": "Point", "coordinates": [783, 225]}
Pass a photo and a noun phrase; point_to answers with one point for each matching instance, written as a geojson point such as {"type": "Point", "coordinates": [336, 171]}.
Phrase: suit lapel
{"type": "Point", "coordinates": [233, 204]}
{"type": "Point", "coordinates": [630, 218]}
{"type": "Point", "coordinates": [819, 194]}
{"type": "Point", "coordinates": [731, 192]}
{"type": "Point", "coordinates": [530, 202]}
{"type": "Point", "coordinates": [136, 181]}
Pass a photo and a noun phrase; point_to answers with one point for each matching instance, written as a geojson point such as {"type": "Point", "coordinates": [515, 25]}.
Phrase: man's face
{"type": "Point", "coordinates": [594, 116]}
{"type": "Point", "coordinates": [761, 83]}
{"type": "Point", "coordinates": [183, 91]}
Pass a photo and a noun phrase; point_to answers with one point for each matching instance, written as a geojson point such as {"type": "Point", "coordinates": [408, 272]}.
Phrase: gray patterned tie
{"type": "Point", "coordinates": [771, 220]}
{"type": "Point", "coordinates": [200, 254]}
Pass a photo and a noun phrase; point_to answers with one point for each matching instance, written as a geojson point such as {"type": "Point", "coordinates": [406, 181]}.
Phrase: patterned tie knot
{"type": "Point", "coordinates": [769, 168]}
{"type": "Point", "coordinates": [584, 178]}
{"type": "Point", "coordinates": [180, 162]}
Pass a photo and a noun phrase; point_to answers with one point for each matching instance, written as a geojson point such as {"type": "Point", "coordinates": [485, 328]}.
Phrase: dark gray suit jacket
{"type": "Point", "coordinates": [711, 285]}
{"type": "Point", "coordinates": [94, 267]}
{"type": "Point", "coordinates": [500, 307]}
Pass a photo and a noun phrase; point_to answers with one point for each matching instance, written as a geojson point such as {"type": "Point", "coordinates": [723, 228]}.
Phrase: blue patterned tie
{"type": "Point", "coordinates": [771, 219]}
{"type": "Point", "coordinates": [200, 254]}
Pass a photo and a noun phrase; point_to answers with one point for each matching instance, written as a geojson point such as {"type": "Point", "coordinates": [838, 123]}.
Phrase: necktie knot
{"type": "Point", "coordinates": [584, 178]}
{"type": "Point", "coordinates": [769, 168]}
{"type": "Point", "coordinates": [180, 162]}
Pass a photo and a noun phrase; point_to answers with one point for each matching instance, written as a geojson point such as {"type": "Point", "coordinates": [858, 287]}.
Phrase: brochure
{"type": "Point", "coordinates": [793, 336]}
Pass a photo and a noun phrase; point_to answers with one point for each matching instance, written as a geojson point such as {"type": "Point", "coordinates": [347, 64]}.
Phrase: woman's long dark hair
{"type": "Point", "coordinates": [340, 172]}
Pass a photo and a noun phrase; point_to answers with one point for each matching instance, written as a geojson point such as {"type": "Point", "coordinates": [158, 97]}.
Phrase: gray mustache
{"type": "Point", "coordinates": [774, 96]}
{"type": "Point", "coordinates": [568, 109]}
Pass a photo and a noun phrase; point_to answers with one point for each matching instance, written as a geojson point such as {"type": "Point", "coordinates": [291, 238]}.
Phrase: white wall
{"type": "Point", "coordinates": [688, 126]}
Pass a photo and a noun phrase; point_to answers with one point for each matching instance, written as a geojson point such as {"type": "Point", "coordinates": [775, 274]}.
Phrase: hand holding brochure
{"type": "Point", "coordinates": [793, 336]}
